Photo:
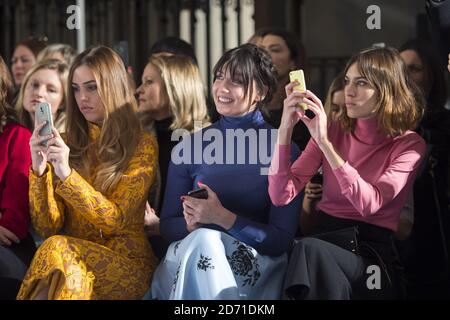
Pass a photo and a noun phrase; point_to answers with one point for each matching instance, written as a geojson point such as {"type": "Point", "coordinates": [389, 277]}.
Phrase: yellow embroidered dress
{"type": "Point", "coordinates": [103, 252]}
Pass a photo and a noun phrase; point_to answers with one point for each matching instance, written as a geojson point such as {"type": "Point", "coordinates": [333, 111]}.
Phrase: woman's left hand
{"type": "Point", "coordinates": [58, 154]}
{"type": "Point", "coordinates": [318, 125]}
{"type": "Point", "coordinates": [208, 211]}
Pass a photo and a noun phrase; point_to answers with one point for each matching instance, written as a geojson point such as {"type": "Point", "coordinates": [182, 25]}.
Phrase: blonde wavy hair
{"type": "Point", "coordinates": [62, 71]}
{"type": "Point", "coordinates": [400, 103]}
{"type": "Point", "coordinates": [184, 88]}
{"type": "Point", "coordinates": [120, 130]}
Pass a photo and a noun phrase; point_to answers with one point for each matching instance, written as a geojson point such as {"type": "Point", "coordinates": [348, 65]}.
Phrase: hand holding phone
{"type": "Point", "coordinates": [43, 113]}
{"type": "Point", "coordinates": [198, 193]}
{"type": "Point", "coordinates": [317, 178]}
{"type": "Point", "coordinates": [298, 76]}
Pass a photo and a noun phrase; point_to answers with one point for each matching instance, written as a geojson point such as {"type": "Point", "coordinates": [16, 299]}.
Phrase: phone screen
{"type": "Point", "coordinates": [198, 193]}
{"type": "Point", "coordinates": [43, 113]}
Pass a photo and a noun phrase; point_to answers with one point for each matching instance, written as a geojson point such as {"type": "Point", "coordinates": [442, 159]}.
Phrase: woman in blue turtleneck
{"type": "Point", "coordinates": [233, 244]}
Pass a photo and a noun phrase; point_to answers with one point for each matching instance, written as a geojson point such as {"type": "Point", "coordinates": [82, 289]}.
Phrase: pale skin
{"type": "Point", "coordinates": [7, 238]}
{"type": "Point", "coordinates": [313, 191]}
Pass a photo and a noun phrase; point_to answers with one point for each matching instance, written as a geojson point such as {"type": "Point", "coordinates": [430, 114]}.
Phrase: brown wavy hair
{"type": "Point", "coordinates": [400, 105]}
{"type": "Point", "coordinates": [120, 130]}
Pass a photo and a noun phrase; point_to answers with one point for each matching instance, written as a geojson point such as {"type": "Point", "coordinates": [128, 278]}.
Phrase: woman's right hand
{"type": "Point", "coordinates": [291, 113]}
{"type": "Point", "coordinates": [38, 151]}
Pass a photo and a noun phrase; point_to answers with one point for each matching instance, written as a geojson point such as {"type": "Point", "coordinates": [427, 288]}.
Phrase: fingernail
{"type": "Point", "coordinates": [200, 183]}
{"type": "Point", "coordinates": [182, 198]}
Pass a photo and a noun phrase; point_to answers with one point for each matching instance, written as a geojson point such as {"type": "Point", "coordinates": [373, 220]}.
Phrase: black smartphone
{"type": "Point", "coordinates": [198, 193]}
{"type": "Point", "coordinates": [43, 113]}
{"type": "Point", "coordinates": [317, 178]}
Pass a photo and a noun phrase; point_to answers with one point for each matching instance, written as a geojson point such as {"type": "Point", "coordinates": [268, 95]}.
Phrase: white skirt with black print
{"type": "Point", "coordinates": [212, 265]}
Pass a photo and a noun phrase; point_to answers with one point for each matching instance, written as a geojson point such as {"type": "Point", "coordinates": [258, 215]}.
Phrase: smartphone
{"type": "Point", "coordinates": [198, 193]}
{"type": "Point", "coordinates": [317, 178]}
{"type": "Point", "coordinates": [298, 75]}
{"type": "Point", "coordinates": [43, 113]}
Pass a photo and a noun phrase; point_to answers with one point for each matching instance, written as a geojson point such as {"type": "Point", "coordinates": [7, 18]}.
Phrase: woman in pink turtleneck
{"type": "Point", "coordinates": [369, 160]}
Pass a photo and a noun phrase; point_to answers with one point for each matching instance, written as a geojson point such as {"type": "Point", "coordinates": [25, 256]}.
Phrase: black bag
{"type": "Point", "coordinates": [347, 238]}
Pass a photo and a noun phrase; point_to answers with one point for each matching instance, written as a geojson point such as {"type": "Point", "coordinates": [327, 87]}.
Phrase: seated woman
{"type": "Point", "coordinates": [92, 187]}
{"type": "Point", "coordinates": [16, 245]}
{"type": "Point", "coordinates": [369, 161]}
{"type": "Point", "coordinates": [171, 97]}
{"type": "Point", "coordinates": [45, 82]}
{"type": "Point", "coordinates": [233, 244]}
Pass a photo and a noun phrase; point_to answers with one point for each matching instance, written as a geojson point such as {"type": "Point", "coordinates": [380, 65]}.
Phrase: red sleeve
{"type": "Point", "coordinates": [15, 154]}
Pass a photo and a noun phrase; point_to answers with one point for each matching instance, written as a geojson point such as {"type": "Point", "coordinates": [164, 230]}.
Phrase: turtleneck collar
{"type": "Point", "coordinates": [248, 120]}
{"type": "Point", "coordinates": [367, 131]}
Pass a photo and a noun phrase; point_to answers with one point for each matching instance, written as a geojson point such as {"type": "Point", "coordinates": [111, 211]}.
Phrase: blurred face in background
{"type": "Point", "coordinates": [280, 54]}
{"type": "Point", "coordinates": [415, 67]}
{"type": "Point", "coordinates": [152, 94]}
{"type": "Point", "coordinates": [22, 61]}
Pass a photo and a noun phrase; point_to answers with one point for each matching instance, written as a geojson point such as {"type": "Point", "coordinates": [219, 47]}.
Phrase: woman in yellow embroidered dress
{"type": "Point", "coordinates": [92, 187]}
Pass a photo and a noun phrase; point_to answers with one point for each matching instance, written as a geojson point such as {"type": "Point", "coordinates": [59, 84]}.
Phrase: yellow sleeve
{"type": "Point", "coordinates": [46, 207]}
{"type": "Point", "coordinates": [110, 213]}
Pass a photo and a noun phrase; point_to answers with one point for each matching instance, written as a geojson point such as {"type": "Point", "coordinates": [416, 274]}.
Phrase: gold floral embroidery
{"type": "Point", "coordinates": [103, 252]}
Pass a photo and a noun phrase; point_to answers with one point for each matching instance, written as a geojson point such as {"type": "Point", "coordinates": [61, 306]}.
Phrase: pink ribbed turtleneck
{"type": "Point", "coordinates": [371, 186]}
